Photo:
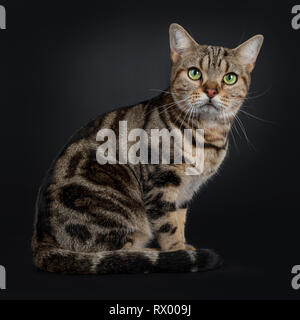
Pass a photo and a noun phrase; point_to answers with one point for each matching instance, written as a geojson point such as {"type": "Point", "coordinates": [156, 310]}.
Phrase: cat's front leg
{"type": "Point", "coordinates": [168, 232]}
{"type": "Point", "coordinates": [165, 221]}
{"type": "Point", "coordinates": [181, 214]}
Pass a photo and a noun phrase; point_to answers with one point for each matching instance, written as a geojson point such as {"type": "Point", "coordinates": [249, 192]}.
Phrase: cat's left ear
{"type": "Point", "coordinates": [180, 42]}
{"type": "Point", "coordinates": [248, 51]}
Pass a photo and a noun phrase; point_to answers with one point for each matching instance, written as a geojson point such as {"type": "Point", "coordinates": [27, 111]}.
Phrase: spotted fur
{"type": "Point", "coordinates": [97, 219]}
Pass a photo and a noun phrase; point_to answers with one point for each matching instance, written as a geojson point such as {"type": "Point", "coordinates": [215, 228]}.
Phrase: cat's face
{"type": "Point", "coordinates": [207, 80]}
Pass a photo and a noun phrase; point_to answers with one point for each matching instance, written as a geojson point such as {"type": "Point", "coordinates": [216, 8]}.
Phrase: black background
{"type": "Point", "coordinates": [62, 63]}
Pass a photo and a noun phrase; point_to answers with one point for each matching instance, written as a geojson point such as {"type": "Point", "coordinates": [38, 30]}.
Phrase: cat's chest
{"type": "Point", "coordinates": [192, 183]}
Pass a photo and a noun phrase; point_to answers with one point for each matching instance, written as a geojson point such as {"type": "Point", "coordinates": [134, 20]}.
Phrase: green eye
{"type": "Point", "coordinates": [194, 74]}
{"type": "Point", "coordinates": [230, 78]}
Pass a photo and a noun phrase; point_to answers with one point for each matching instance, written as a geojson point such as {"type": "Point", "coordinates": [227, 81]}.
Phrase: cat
{"type": "Point", "coordinates": [98, 219]}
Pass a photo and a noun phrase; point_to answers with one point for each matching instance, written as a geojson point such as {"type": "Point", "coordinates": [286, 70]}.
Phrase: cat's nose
{"type": "Point", "coordinates": [211, 92]}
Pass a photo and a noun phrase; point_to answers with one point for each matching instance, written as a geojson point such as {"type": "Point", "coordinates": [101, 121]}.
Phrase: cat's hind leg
{"type": "Point", "coordinates": [138, 240]}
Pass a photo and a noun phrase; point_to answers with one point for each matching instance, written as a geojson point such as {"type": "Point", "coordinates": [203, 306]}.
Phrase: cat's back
{"type": "Point", "coordinates": [75, 179]}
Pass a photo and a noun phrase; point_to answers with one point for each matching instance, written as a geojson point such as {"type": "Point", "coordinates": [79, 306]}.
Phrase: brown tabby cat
{"type": "Point", "coordinates": [97, 219]}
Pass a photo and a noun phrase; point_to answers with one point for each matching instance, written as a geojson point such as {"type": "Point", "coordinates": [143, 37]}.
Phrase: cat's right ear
{"type": "Point", "coordinates": [180, 42]}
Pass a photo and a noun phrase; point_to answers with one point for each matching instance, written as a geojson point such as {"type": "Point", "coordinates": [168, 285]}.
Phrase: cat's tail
{"type": "Point", "coordinates": [121, 261]}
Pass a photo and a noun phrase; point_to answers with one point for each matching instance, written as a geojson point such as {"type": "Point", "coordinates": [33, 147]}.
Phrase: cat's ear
{"type": "Point", "coordinates": [180, 41]}
{"type": "Point", "coordinates": [248, 51]}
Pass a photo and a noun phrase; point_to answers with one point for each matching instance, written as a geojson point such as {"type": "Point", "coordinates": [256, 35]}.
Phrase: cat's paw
{"type": "Point", "coordinates": [150, 249]}
{"type": "Point", "coordinates": [176, 247]}
{"type": "Point", "coordinates": [190, 247]}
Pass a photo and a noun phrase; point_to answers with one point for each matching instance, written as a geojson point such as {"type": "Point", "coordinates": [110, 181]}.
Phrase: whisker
{"type": "Point", "coordinates": [172, 105]}
{"type": "Point", "coordinates": [231, 131]}
{"type": "Point", "coordinates": [236, 129]}
{"type": "Point", "coordinates": [168, 105]}
{"type": "Point", "coordinates": [184, 109]}
{"type": "Point", "coordinates": [249, 97]}
{"type": "Point", "coordinates": [184, 117]}
{"type": "Point", "coordinates": [240, 123]}
{"type": "Point", "coordinates": [158, 90]}
{"type": "Point", "coordinates": [234, 141]}
{"type": "Point", "coordinates": [189, 119]}
{"type": "Point", "coordinates": [257, 118]}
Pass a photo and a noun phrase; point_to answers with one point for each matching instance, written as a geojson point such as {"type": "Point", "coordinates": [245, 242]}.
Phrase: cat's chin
{"type": "Point", "coordinates": [208, 111]}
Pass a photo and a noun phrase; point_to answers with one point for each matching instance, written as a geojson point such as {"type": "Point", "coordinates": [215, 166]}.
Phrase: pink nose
{"type": "Point", "coordinates": [211, 92]}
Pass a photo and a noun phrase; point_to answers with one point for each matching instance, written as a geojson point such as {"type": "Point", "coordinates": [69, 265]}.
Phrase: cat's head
{"type": "Point", "coordinates": [213, 81]}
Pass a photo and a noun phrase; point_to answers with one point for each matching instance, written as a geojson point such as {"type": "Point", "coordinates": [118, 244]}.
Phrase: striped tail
{"type": "Point", "coordinates": [121, 261]}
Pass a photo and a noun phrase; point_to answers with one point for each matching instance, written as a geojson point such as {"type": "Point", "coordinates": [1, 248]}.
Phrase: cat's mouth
{"type": "Point", "coordinates": [209, 106]}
